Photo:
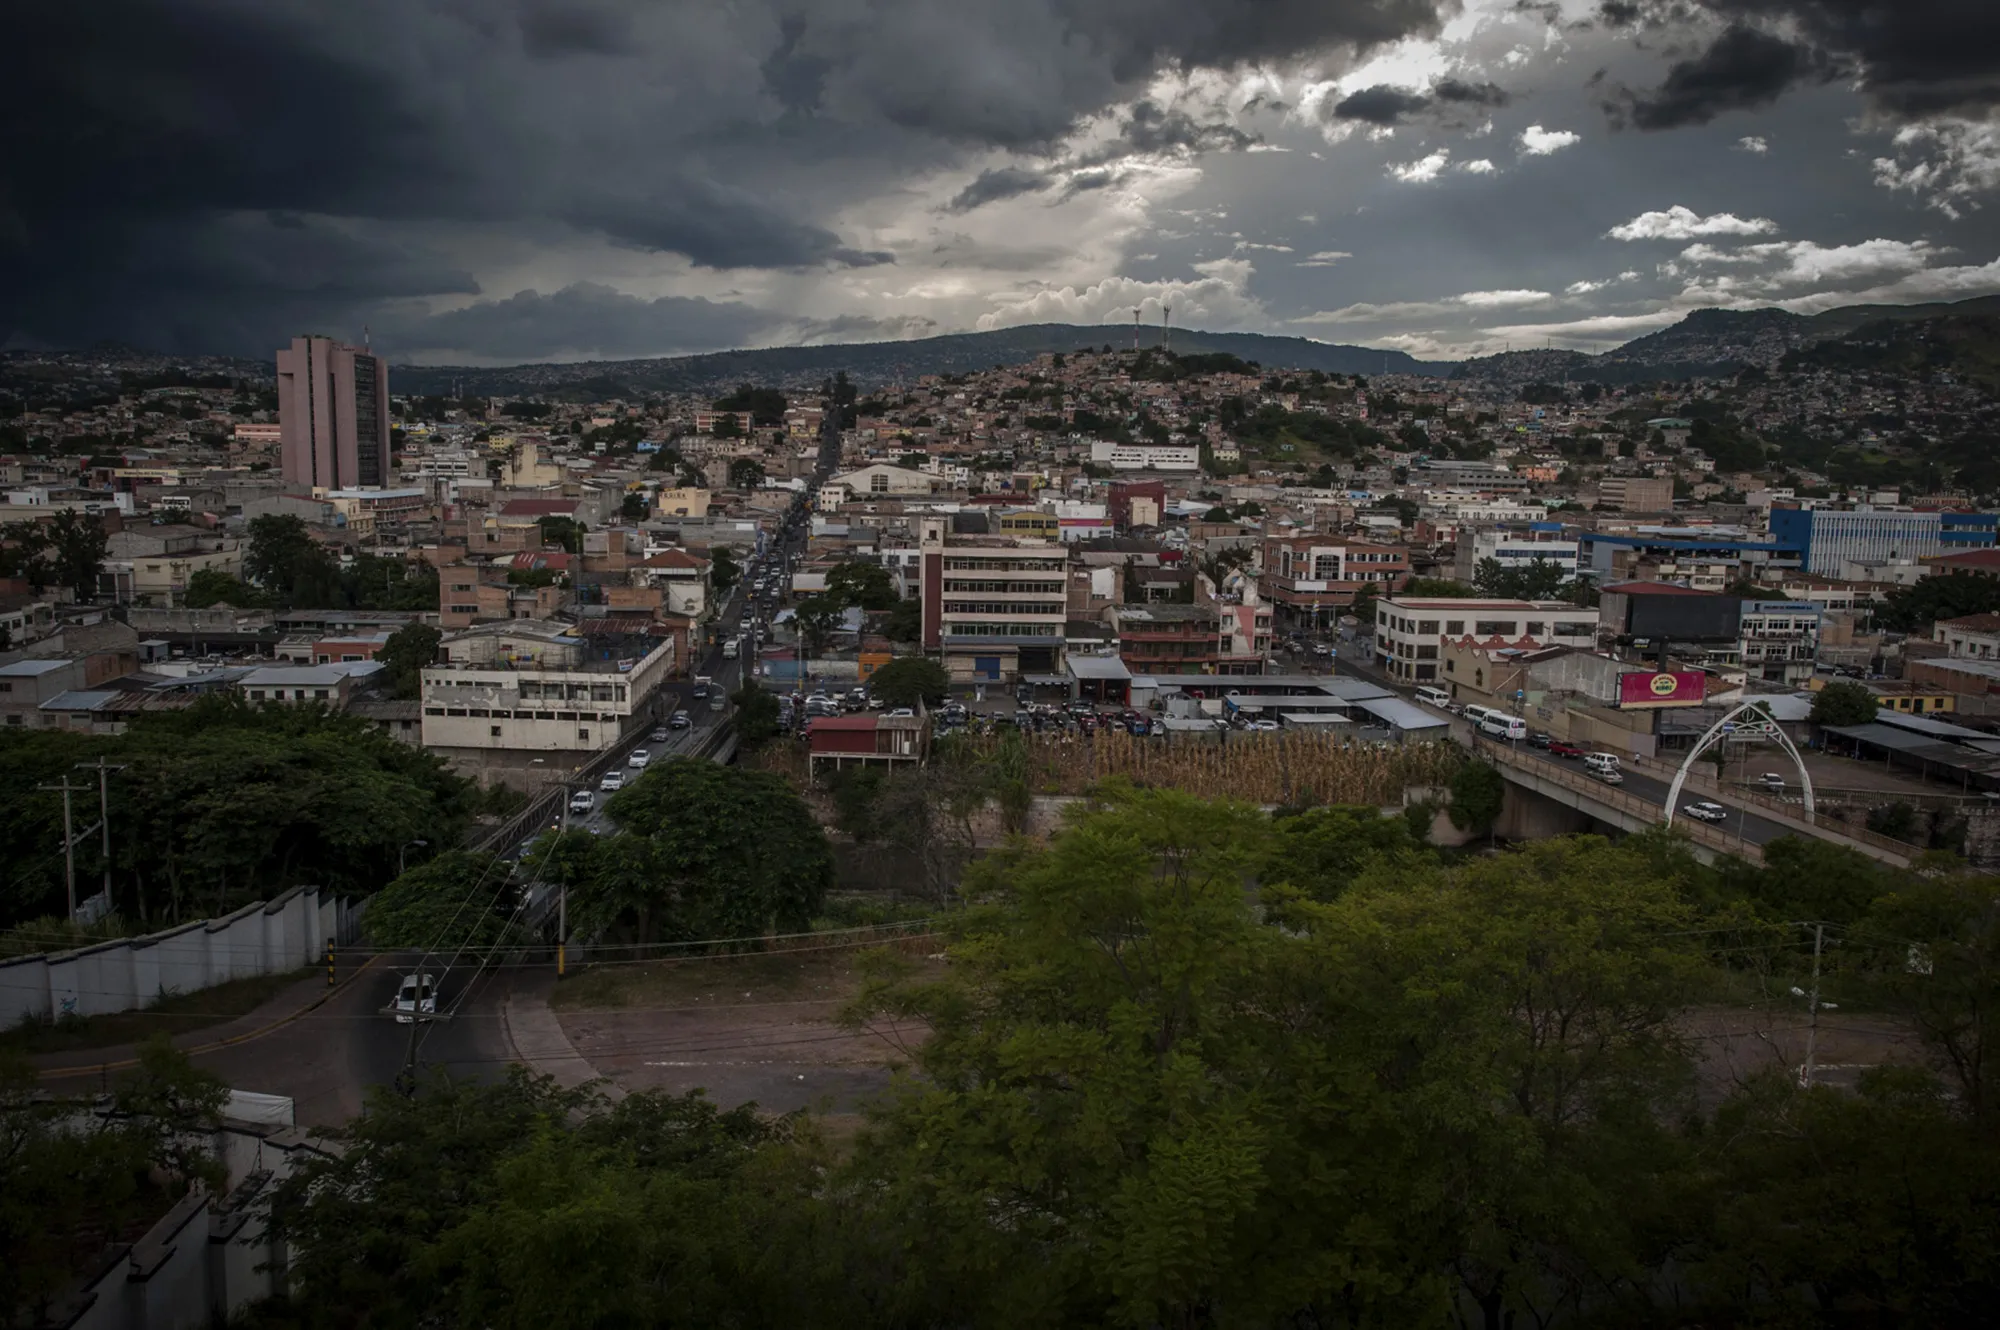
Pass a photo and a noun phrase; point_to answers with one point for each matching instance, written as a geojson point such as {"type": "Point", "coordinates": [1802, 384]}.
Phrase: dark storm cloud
{"type": "Point", "coordinates": [1741, 69]}
{"type": "Point", "coordinates": [1384, 105]}
{"type": "Point", "coordinates": [554, 28]}
{"type": "Point", "coordinates": [1381, 105]}
{"type": "Point", "coordinates": [1911, 57]}
{"type": "Point", "coordinates": [725, 134]}
{"type": "Point", "coordinates": [584, 320]}
{"type": "Point", "coordinates": [991, 186]}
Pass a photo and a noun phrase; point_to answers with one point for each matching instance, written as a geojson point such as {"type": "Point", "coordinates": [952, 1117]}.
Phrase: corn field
{"type": "Point", "coordinates": [1283, 768]}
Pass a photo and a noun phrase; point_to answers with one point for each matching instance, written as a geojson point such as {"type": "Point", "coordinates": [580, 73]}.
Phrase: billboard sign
{"type": "Point", "coordinates": [1677, 688]}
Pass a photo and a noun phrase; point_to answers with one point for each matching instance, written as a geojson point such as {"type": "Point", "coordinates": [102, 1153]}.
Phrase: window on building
{"type": "Point", "coordinates": [583, 732]}
{"type": "Point", "coordinates": [1426, 673]}
{"type": "Point", "coordinates": [493, 730]}
{"type": "Point", "coordinates": [1427, 627]}
{"type": "Point", "coordinates": [1536, 628]}
{"type": "Point", "coordinates": [1493, 627]}
{"type": "Point", "coordinates": [1454, 627]}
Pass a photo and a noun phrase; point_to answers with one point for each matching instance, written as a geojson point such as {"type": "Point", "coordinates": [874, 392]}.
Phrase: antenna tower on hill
{"type": "Point", "coordinates": [1167, 328]}
{"type": "Point", "coordinates": [1135, 327]}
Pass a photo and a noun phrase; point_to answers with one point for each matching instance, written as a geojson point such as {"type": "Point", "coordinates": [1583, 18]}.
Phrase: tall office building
{"type": "Point", "coordinates": [333, 415]}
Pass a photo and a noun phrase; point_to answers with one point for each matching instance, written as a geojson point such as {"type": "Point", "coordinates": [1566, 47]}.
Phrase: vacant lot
{"type": "Point", "coordinates": [744, 1028]}
{"type": "Point", "coordinates": [1736, 1044]}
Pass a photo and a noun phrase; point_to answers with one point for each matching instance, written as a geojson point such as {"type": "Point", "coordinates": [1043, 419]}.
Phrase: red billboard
{"type": "Point", "coordinates": [1678, 688]}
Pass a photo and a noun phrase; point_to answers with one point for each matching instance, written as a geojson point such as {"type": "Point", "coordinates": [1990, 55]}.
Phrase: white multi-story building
{"type": "Point", "coordinates": [1145, 456]}
{"type": "Point", "coordinates": [507, 693]}
{"type": "Point", "coordinates": [1513, 549]}
{"type": "Point", "coordinates": [1410, 631]}
{"type": "Point", "coordinates": [1779, 640]}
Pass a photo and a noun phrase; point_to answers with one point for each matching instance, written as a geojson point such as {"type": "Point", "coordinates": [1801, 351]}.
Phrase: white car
{"type": "Point", "coordinates": [582, 801]}
{"type": "Point", "coordinates": [415, 996]}
{"type": "Point", "coordinates": [680, 720]}
{"type": "Point", "coordinates": [1706, 812]}
{"type": "Point", "coordinates": [640, 757]}
{"type": "Point", "coordinates": [613, 782]}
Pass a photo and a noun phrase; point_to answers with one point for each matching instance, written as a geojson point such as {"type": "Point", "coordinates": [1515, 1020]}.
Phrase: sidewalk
{"type": "Point", "coordinates": [538, 1040]}
{"type": "Point", "coordinates": [295, 1001]}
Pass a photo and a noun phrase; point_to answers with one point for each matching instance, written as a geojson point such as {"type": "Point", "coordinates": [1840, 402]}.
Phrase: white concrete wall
{"type": "Point", "coordinates": [268, 937]}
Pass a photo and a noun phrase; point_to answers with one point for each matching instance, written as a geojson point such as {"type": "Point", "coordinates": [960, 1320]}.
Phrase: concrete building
{"type": "Point", "coordinates": [1136, 503]}
{"type": "Point", "coordinates": [1636, 494]}
{"type": "Point", "coordinates": [994, 608]}
{"type": "Point", "coordinates": [1309, 578]}
{"type": "Point", "coordinates": [1779, 641]}
{"type": "Point", "coordinates": [1168, 639]}
{"type": "Point", "coordinates": [333, 415]}
{"type": "Point", "coordinates": [1973, 637]}
{"type": "Point", "coordinates": [1145, 456]}
{"type": "Point", "coordinates": [1827, 540]}
{"type": "Point", "coordinates": [1410, 632]}
{"type": "Point", "coordinates": [508, 693]}
{"type": "Point", "coordinates": [152, 565]}
{"type": "Point", "coordinates": [1514, 547]}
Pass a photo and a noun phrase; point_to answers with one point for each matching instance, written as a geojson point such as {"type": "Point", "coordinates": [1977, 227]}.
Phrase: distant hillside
{"type": "Point", "coordinates": [1967, 345]}
{"type": "Point", "coordinates": [1714, 343]}
{"type": "Point", "coordinates": [875, 364]}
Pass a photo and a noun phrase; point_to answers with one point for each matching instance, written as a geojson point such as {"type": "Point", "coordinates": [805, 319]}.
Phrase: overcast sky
{"type": "Point", "coordinates": [493, 181]}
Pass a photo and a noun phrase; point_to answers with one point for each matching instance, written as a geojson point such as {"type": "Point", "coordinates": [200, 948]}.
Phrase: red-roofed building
{"type": "Point", "coordinates": [881, 740]}
{"type": "Point", "coordinates": [680, 577]}
{"type": "Point", "coordinates": [1976, 563]}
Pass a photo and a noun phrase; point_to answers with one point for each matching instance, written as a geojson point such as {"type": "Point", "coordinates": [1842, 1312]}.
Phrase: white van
{"type": "Point", "coordinates": [1500, 725]}
{"type": "Point", "coordinates": [1435, 697]}
{"type": "Point", "coordinates": [1475, 715]}
{"type": "Point", "coordinates": [1604, 766]}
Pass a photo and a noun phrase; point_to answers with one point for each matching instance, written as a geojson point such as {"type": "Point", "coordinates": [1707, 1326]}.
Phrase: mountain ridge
{"type": "Point", "coordinates": [877, 364]}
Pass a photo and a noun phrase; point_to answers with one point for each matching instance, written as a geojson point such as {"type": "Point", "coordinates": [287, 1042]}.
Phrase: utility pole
{"type": "Point", "coordinates": [103, 770]}
{"type": "Point", "coordinates": [69, 840]}
{"type": "Point", "coordinates": [1812, 1005]}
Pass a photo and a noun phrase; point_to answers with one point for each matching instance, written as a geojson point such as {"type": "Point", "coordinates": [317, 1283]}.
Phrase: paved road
{"type": "Point", "coordinates": [1740, 823]}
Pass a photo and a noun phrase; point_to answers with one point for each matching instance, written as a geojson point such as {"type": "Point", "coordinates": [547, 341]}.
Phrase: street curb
{"type": "Point", "coordinates": [553, 1054]}
{"type": "Point", "coordinates": [99, 1068]}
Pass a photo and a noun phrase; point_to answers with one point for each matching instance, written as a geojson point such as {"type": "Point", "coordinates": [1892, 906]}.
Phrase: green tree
{"type": "Point", "coordinates": [1914, 608]}
{"type": "Point", "coordinates": [406, 654]}
{"type": "Point", "coordinates": [1843, 703]}
{"type": "Point", "coordinates": [459, 899]}
{"type": "Point", "coordinates": [756, 714]}
{"type": "Point", "coordinates": [1438, 586]}
{"type": "Point", "coordinates": [723, 569]}
{"type": "Point", "coordinates": [907, 681]}
{"type": "Point", "coordinates": [817, 617]}
{"type": "Point", "coordinates": [74, 1172]}
{"type": "Point", "coordinates": [521, 1204]}
{"type": "Point", "coordinates": [1539, 579]}
{"type": "Point", "coordinates": [24, 548]}
{"type": "Point", "coordinates": [727, 428]}
{"type": "Point", "coordinates": [281, 557]}
{"type": "Point", "coordinates": [1321, 850]}
{"type": "Point", "coordinates": [565, 533]}
{"type": "Point", "coordinates": [212, 586]}
{"type": "Point", "coordinates": [730, 853]}
{"type": "Point", "coordinates": [1478, 792]}
{"type": "Point", "coordinates": [746, 473]}
{"type": "Point", "coordinates": [633, 507]}
{"type": "Point", "coordinates": [868, 585]}
{"type": "Point", "coordinates": [77, 545]}
{"type": "Point", "coordinates": [906, 621]}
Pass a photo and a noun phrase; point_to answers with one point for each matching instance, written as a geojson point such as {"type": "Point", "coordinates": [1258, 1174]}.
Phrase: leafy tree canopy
{"type": "Point", "coordinates": [1844, 702]}
{"type": "Point", "coordinates": [908, 680]}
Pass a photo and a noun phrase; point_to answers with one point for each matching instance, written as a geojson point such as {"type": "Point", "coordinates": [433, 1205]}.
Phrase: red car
{"type": "Point", "coordinates": [1564, 748]}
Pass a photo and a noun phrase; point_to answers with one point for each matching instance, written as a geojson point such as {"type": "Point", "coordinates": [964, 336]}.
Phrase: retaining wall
{"type": "Point", "coordinates": [267, 937]}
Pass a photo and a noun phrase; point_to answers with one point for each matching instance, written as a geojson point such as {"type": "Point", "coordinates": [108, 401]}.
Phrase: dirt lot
{"type": "Point", "coordinates": [743, 1028]}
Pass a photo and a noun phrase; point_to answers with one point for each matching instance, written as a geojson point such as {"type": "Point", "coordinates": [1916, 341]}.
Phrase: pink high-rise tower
{"type": "Point", "coordinates": [333, 415]}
